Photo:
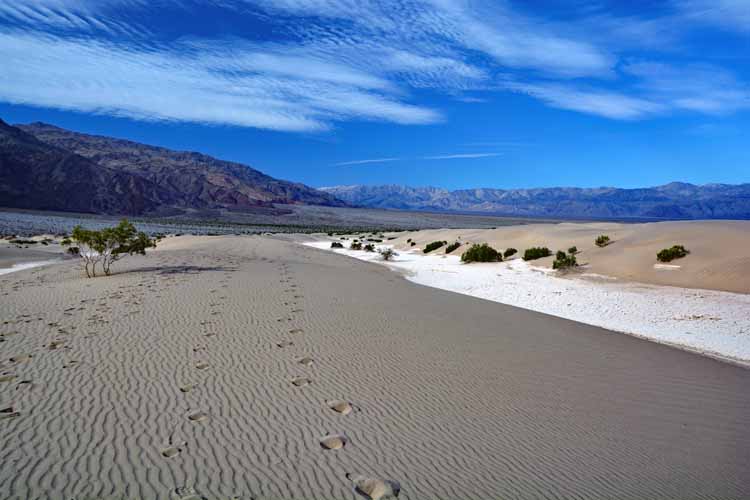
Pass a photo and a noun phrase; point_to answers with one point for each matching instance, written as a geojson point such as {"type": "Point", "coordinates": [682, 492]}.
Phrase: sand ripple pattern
{"type": "Point", "coordinates": [168, 380]}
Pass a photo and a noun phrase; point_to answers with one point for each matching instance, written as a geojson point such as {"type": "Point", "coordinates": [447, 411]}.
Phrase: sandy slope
{"type": "Point", "coordinates": [719, 258]}
{"type": "Point", "coordinates": [454, 397]}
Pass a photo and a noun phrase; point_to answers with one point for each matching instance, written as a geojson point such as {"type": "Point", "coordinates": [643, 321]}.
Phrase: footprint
{"type": "Point", "coordinates": [340, 406]}
{"type": "Point", "coordinates": [187, 388]}
{"type": "Point", "coordinates": [374, 488]}
{"type": "Point", "coordinates": [71, 364]}
{"type": "Point", "coordinates": [202, 366]}
{"type": "Point", "coordinates": [307, 361]}
{"type": "Point", "coordinates": [333, 442]}
{"type": "Point", "coordinates": [172, 451]}
{"type": "Point", "coordinates": [186, 493]}
{"type": "Point", "coordinates": [7, 378]}
{"type": "Point", "coordinates": [211, 334]}
{"type": "Point", "coordinates": [23, 358]}
{"type": "Point", "coordinates": [284, 343]}
{"type": "Point", "coordinates": [55, 344]}
{"type": "Point", "coordinates": [301, 381]}
{"type": "Point", "coordinates": [296, 330]}
{"type": "Point", "coordinates": [8, 412]}
{"type": "Point", "coordinates": [199, 416]}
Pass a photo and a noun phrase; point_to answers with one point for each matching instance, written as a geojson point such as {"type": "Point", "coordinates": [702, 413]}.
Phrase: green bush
{"type": "Point", "coordinates": [602, 240]}
{"type": "Point", "coordinates": [509, 252]}
{"type": "Point", "coordinates": [356, 245]}
{"type": "Point", "coordinates": [669, 254]}
{"type": "Point", "coordinates": [434, 246]}
{"type": "Point", "coordinates": [573, 250]}
{"type": "Point", "coordinates": [481, 253]}
{"type": "Point", "coordinates": [536, 253]}
{"type": "Point", "coordinates": [387, 253]}
{"type": "Point", "coordinates": [564, 261]}
{"type": "Point", "coordinates": [369, 247]}
{"type": "Point", "coordinates": [413, 243]}
{"type": "Point", "coordinates": [336, 244]}
{"type": "Point", "coordinates": [452, 246]}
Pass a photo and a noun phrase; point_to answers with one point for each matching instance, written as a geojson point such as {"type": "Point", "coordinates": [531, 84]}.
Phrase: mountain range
{"type": "Point", "coordinates": [49, 168]}
{"type": "Point", "coordinates": [45, 167]}
{"type": "Point", "coordinates": [676, 200]}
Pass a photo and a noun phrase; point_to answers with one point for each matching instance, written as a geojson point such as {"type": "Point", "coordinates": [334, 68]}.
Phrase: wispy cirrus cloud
{"type": "Point", "coordinates": [331, 61]}
{"type": "Point", "coordinates": [365, 162]}
{"type": "Point", "coordinates": [450, 156]}
{"type": "Point", "coordinates": [460, 156]}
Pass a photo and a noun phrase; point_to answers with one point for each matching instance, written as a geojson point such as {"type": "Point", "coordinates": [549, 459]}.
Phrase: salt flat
{"type": "Point", "coordinates": [227, 366]}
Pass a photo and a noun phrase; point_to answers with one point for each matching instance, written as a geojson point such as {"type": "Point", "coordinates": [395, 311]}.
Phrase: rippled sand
{"type": "Point", "coordinates": [256, 368]}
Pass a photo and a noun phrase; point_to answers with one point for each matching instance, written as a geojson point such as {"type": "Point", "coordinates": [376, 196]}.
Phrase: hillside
{"type": "Point", "coordinates": [47, 167]}
{"type": "Point", "coordinates": [671, 201]}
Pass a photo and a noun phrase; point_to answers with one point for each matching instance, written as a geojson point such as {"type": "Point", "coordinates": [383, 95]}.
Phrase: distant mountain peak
{"type": "Point", "coordinates": [44, 166]}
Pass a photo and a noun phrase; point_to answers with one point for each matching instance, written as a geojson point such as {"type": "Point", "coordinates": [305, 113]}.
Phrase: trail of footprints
{"type": "Point", "coordinates": [99, 313]}
{"type": "Point", "coordinates": [369, 487]}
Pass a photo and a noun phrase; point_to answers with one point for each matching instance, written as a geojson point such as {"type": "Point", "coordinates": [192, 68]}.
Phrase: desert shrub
{"type": "Point", "coordinates": [481, 253]}
{"type": "Point", "coordinates": [413, 243]}
{"type": "Point", "coordinates": [387, 253]}
{"type": "Point", "coordinates": [336, 244]}
{"type": "Point", "coordinates": [534, 253]}
{"type": "Point", "coordinates": [65, 242]}
{"type": "Point", "coordinates": [356, 245]}
{"type": "Point", "coordinates": [452, 246]}
{"type": "Point", "coordinates": [23, 242]}
{"type": "Point", "coordinates": [669, 254]}
{"type": "Point", "coordinates": [408, 240]}
{"type": "Point", "coordinates": [433, 246]}
{"type": "Point", "coordinates": [369, 247]}
{"type": "Point", "coordinates": [375, 240]}
{"type": "Point", "coordinates": [573, 250]}
{"type": "Point", "coordinates": [509, 252]}
{"type": "Point", "coordinates": [564, 261]}
{"type": "Point", "coordinates": [602, 240]}
{"type": "Point", "coordinates": [109, 245]}
{"type": "Point", "coordinates": [74, 250]}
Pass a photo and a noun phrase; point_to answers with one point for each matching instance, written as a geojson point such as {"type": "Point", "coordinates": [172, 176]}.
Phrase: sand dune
{"type": "Point", "coordinates": [719, 257]}
{"type": "Point", "coordinates": [166, 382]}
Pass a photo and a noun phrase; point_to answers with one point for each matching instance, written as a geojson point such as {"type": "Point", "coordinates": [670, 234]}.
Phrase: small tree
{"type": "Point", "coordinates": [109, 245]}
{"type": "Point", "coordinates": [387, 253]}
{"type": "Point", "coordinates": [509, 252]}
{"type": "Point", "coordinates": [602, 240]}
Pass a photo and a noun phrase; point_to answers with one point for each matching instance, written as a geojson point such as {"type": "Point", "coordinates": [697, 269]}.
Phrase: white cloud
{"type": "Point", "coordinates": [460, 156]}
{"type": "Point", "coordinates": [365, 162]}
{"type": "Point", "coordinates": [340, 60]}
{"type": "Point", "coordinates": [727, 14]}
{"type": "Point", "coordinates": [596, 102]}
{"type": "Point", "coordinates": [253, 87]}
{"type": "Point", "coordinates": [699, 87]}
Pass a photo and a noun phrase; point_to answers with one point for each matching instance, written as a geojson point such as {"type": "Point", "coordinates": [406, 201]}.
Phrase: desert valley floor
{"type": "Point", "coordinates": [215, 366]}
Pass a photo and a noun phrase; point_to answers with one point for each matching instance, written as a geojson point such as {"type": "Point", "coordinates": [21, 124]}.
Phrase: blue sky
{"type": "Point", "coordinates": [447, 93]}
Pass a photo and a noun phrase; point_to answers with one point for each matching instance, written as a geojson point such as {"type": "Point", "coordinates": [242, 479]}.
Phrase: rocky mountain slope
{"type": "Point", "coordinates": [671, 201]}
{"type": "Point", "coordinates": [47, 167]}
